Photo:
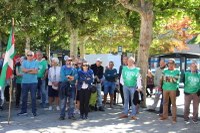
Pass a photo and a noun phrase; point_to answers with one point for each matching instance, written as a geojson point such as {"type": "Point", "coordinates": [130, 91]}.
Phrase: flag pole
{"type": "Point", "coordinates": [11, 84]}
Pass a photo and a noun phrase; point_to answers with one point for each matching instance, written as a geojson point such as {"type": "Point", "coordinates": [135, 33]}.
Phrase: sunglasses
{"type": "Point", "coordinates": [29, 55]}
{"type": "Point", "coordinates": [85, 65]}
{"type": "Point", "coordinates": [170, 62]}
{"type": "Point", "coordinates": [69, 60]}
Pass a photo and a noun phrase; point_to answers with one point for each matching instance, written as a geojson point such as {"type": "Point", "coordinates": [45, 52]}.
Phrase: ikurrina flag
{"type": "Point", "coordinates": [7, 69]}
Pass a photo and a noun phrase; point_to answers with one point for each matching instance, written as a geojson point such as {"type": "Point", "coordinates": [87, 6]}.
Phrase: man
{"type": "Point", "coordinates": [170, 83]}
{"type": "Point", "coordinates": [191, 91]}
{"type": "Point", "coordinates": [109, 83]}
{"type": "Point", "coordinates": [42, 75]}
{"type": "Point", "coordinates": [131, 81]}
{"type": "Point", "coordinates": [157, 77]}
{"type": "Point", "coordinates": [67, 89]}
{"type": "Point", "coordinates": [124, 63]}
{"type": "Point", "coordinates": [29, 83]}
{"type": "Point", "coordinates": [98, 75]}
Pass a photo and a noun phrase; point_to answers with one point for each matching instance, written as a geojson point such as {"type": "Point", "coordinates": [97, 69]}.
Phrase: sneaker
{"type": "Point", "coordinates": [34, 114]}
{"type": "Point", "coordinates": [174, 121]}
{"type": "Point", "coordinates": [133, 118]}
{"type": "Point", "coordinates": [72, 117]}
{"type": "Point", "coordinates": [50, 108]}
{"type": "Point", "coordinates": [151, 110]}
{"type": "Point", "coordinates": [57, 108]}
{"type": "Point", "coordinates": [62, 118]}
{"type": "Point", "coordinates": [195, 121]}
{"type": "Point", "coordinates": [101, 109]}
{"type": "Point", "coordinates": [44, 106]}
{"type": "Point", "coordinates": [22, 113]}
{"type": "Point", "coordinates": [186, 121]}
{"type": "Point", "coordinates": [163, 118]}
{"type": "Point", "coordinates": [123, 116]}
{"type": "Point", "coordinates": [82, 117]}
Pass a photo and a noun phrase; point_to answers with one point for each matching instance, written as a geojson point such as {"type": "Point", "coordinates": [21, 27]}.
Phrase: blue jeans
{"type": "Point", "coordinates": [63, 102]}
{"type": "Point", "coordinates": [99, 97]}
{"type": "Point", "coordinates": [43, 91]}
{"type": "Point", "coordinates": [129, 93]}
{"type": "Point", "coordinates": [26, 87]}
{"type": "Point", "coordinates": [109, 87]}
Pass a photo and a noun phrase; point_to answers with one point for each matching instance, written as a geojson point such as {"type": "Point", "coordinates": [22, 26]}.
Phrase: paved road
{"type": "Point", "coordinates": [104, 122]}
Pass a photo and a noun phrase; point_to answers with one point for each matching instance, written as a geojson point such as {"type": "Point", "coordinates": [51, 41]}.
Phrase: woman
{"type": "Point", "coordinates": [53, 83]}
{"type": "Point", "coordinates": [18, 81]}
{"type": "Point", "coordinates": [130, 79]}
{"type": "Point", "coordinates": [150, 83]}
{"type": "Point", "coordinates": [85, 79]}
{"type": "Point", "coordinates": [191, 88]}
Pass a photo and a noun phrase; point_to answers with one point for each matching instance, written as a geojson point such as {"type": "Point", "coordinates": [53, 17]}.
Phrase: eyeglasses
{"type": "Point", "coordinates": [69, 60]}
{"type": "Point", "coordinates": [170, 62]}
{"type": "Point", "coordinates": [29, 55]}
{"type": "Point", "coordinates": [85, 65]}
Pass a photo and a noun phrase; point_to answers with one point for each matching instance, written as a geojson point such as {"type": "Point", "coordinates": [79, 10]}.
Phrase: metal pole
{"type": "Point", "coordinates": [11, 84]}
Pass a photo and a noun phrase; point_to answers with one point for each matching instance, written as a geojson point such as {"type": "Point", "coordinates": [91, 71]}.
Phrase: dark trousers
{"type": "Point", "coordinates": [25, 89]}
{"type": "Point", "coordinates": [84, 101]}
{"type": "Point", "coordinates": [115, 96]}
{"type": "Point", "coordinates": [18, 93]}
{"type": "Point", "coordinates": [121, 93]}
{"type": "Point", "coordinates": [6, 93]}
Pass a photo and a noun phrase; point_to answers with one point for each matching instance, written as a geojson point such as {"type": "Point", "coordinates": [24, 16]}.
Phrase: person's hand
{"type": "Point", "coordinates": [55, 84]}
{"type": "Point", "coordinates": [139, 90]}
{"type": "Point", "coordinates": [70, 78]}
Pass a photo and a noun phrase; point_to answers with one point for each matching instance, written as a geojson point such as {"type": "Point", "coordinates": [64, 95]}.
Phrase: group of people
{"type": "Point", "coordinates": [69, 86]}
{"type": "Point", "coordinates": [166, 83]}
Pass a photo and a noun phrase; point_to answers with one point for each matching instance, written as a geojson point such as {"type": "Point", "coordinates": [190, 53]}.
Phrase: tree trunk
{"type": "Point", "coordinates": [48, 52]}
{"type": "Point", "coordinates": [73, 43]}
{"type": "Point", "coordinates": [27, 47]}
{"type": "Point", "coordinates": [1, 48]}
{"type": "Point", "coordinates": [144, 45]}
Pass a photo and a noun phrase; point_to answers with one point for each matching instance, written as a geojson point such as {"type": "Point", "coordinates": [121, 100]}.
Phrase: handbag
{"type": "Point", "coordinates": [92, 88]}
{"type": "Point", "coordinates": [177, 92]}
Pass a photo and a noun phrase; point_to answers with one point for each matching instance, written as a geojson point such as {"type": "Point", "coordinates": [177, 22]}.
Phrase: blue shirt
{"type": "Point", "coordinates": [27, 77]}
{"type": "Point", "coordinates": [68, 71]}
{"type": "Point", "coordinates": [110, 75]}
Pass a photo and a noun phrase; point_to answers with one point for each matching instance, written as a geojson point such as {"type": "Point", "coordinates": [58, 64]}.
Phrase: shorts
{"type": "Point", "coordinates": [109, 87]}
{"type": "Point", "coordinates": [52, 92]}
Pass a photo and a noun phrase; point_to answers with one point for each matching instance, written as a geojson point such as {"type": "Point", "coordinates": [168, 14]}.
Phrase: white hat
{"type": "Point", "coordinates": [55, 59]}
{"type": "Point", "coordinates": [98, 59]}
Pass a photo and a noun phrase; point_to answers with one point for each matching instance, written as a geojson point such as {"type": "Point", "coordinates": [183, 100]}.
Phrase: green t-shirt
{"type": "Point", "coordinates": [170, 79]}
{"type": "Point", "coordinates": [130, 76]}
{"type": "Point", "coordinates": [43, 66]}
{"type": "Point", "coordinates": [192, 82]}
{"type": "Point", "coordinates": [19, 78]}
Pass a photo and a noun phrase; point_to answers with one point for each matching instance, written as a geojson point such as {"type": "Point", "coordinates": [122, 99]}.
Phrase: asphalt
{"type": "Point", "coordinates": [99, 122]}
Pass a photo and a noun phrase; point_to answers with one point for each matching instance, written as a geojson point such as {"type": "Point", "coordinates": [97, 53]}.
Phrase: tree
{"type": "Point", "coordinates": [173, 36]}
{"type": "Point", "coordinates": [146, 9]}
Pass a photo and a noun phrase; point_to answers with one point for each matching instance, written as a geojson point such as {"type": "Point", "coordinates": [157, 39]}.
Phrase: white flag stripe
{"type": "Point", "coordinates": [7, 57]}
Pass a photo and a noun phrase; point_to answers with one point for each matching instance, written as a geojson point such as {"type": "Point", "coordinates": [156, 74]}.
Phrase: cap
{"type": "Point", "coordinates": [99, 60]}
